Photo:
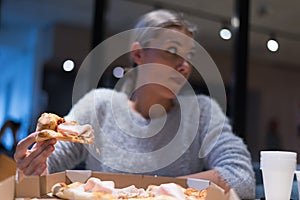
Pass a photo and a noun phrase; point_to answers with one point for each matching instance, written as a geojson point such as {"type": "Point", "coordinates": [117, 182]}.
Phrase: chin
{"type": "Point", "coordinates": [169, 94]}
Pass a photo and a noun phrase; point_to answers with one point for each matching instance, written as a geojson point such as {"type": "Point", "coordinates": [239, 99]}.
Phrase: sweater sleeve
{"type": "Point", "coordinates": [66, 156]}
{"type": "Point", "coordinates": [229, 154]}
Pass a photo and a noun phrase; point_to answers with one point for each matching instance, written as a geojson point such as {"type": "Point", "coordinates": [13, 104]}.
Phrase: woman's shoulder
{"type": "Point", "coordinates": [102, 91]}
{"type": "Point", "coordinates": [204, 102]}
{"type": "Point", "coordinates": [95, 99]}
{"type": "Point", "coordinates": [103, 94]}
{"type": "Point", "coordinates": [99, 97]}
{"type": "Point", "coordinates": [201, 99]}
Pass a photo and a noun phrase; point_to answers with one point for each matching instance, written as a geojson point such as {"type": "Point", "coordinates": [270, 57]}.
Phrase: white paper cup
{"type": "Point", "coordinates": [278, 169]}
{"type": "Point", "coordinates": [298, 181]}
{"type": "Point", "coordinates": [278, 155]}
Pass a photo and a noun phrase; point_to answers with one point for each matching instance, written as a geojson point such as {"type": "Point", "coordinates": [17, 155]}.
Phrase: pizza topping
{"type": "Point", "coordinates": [96, 185]}
{"type": "Point", "coordinates": [52, 126]}
{"type": "Point", "coordinates": [195, 193]}
{"type": "Point", "coordinates": [130, 192]}
{"type": "Point", "coordinates": [169, 189]}
{"type": "Point", "coordinates": [49, 121]}
{"type": "Point", "coordinates": [73, 128]}
{"type": "Point", "coordinates": [94, 188]}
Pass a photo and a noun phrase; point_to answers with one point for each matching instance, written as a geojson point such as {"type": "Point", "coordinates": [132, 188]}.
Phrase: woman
{"type": "Point", "coordinates": [153, 130]}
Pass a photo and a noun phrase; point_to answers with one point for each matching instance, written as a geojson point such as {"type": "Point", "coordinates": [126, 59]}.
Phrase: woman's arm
{"type": "Point", "coordinates": [226, 153]}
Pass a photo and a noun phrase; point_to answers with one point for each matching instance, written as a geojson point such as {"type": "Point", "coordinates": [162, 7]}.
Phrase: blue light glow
{"type": "Point", "coordinates": [22, 52]}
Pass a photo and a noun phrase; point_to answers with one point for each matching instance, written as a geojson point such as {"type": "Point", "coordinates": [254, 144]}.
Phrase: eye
{"type": "Point", "coordinates": [190, 55]}
{"type": "Point", "coordinates": [172, 50]}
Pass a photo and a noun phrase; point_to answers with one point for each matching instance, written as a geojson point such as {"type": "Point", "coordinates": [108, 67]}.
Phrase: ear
{"type": "Point", "coordinates": [135, 52]}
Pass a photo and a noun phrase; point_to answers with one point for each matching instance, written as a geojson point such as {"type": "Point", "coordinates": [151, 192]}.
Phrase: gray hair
{"type": "Point", "coordinates": [161, 18]}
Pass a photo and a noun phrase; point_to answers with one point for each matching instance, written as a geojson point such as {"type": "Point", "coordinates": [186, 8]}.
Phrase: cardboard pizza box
{"type": "Point", "coordinates": [39, 187]}
{"type": "Point", "coordinates": [7, 167]}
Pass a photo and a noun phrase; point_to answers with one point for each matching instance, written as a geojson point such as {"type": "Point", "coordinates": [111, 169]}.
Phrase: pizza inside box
{"type": "Point", "coordinates": [39, 187]}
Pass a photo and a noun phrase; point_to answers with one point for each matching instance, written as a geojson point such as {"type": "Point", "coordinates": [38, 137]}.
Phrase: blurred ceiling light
{"type": "Point", "coordinates": [225, 33]}
{"type": "Point", "coordinates": [235, 22]}
{"type": "Point", "coordinates": [68, 65]}
{"type": "Point", "coordinates": [118, 72]}
{"type": "Point", "coordinates": [272, 44]}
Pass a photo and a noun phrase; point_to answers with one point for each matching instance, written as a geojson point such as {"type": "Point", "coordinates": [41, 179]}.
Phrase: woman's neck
{"type": "Point", "coordinates": [144, 101]}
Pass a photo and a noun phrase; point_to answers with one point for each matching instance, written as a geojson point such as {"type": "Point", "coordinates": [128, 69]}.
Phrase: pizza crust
{"type": "Point", "coordinates": [49, 121]}
{"type": "Point", "coordinates": [49, 134]}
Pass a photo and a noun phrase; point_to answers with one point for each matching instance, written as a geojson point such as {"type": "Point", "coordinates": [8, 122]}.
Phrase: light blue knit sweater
{"type": "Point", "coordinates": [193, 137]}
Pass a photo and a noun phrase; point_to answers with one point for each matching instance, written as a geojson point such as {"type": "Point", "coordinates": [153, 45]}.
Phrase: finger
{"type": "Point", "coordinates": [34, 152]}
{"type": "Point", "coordinates": [38, 170]}
{"type": "Point", "coordinates": [23, 145]}
{"type": "Point", "coordinates": [36, 163]}
{"type": "Point", "coordinates": [36, 155]}
{"type": "Point", "coordinates": [38, 144]}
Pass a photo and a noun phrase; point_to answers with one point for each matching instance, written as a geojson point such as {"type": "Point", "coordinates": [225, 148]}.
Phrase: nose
{"type": "Point", "coordinates": [183, 66]}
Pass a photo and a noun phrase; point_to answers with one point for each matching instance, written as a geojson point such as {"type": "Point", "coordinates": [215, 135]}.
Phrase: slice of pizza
{"type": "Point", "coordinates": [51, 125]}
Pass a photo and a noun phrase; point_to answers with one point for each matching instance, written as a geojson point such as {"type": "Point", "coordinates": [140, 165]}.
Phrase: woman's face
{"type": "Point", "coordinates": [164, 64]}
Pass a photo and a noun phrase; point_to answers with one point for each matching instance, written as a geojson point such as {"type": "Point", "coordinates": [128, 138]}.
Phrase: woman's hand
{"type": "Point", "coordinates": [33, 161]}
